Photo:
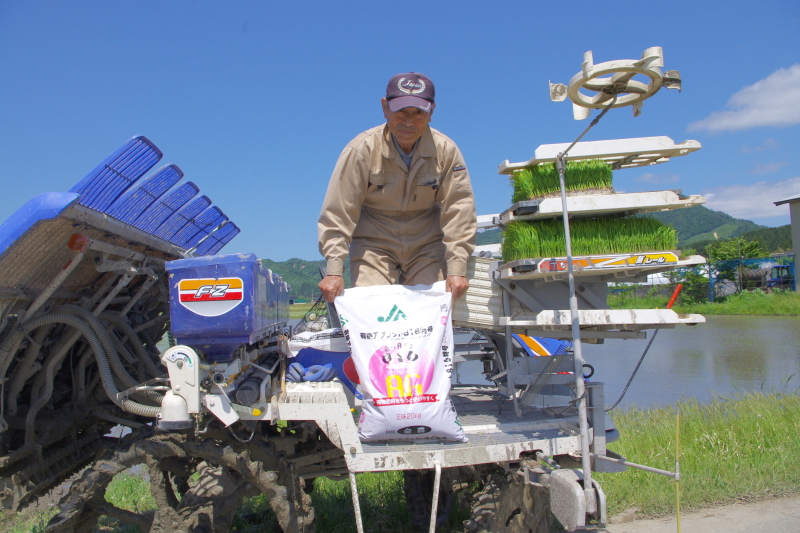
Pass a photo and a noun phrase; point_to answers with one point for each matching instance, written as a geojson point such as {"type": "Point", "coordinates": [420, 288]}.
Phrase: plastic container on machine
{"type": "Point", "coordinates": [217, 303]}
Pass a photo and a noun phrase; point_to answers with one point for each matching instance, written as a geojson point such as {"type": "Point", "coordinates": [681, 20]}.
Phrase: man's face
{"type": "Point", "coordinates": [408, 124]}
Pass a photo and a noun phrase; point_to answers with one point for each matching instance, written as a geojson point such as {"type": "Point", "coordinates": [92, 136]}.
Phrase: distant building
{"type": "Point", "coordinates": [794, 214]}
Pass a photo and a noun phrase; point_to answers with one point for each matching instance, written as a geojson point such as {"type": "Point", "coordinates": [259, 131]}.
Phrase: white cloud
{"type": "Point", "coordinates": [752, 201]}
{"type": "Point", "coordinates": [657, 179]}
{"type": "Point", "coordinates": [767, 168]}
{"type": "Point", "coordinates": [773, 101]}
{"type": "Point", "coordinates": [768, 144]}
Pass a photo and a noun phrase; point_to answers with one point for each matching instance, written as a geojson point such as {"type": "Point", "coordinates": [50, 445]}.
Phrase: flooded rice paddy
{"type": "Point", "coordinates": [726, 355]}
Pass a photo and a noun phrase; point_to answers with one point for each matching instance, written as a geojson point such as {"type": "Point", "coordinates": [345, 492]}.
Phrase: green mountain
{"type": "Point", "coordinates": [303, 276]}
{"type": "Point", "coordinates": [700, 223]}
{"type": "Point", "coordinates": [772, 239]}
{"type": "Point", "coordinates": [490, 236]}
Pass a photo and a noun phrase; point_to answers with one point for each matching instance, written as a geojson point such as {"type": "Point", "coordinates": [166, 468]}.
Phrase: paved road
{"type": "Point", "coordinates": [770, 516]}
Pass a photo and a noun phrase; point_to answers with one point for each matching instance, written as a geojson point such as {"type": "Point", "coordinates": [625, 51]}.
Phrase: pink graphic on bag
{"type": "Point", "coordinates": [400, 373]}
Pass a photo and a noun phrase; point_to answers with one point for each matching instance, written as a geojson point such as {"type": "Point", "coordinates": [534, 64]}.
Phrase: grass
{"type": "Point", "coordinates": [542, 180]}
{"type": "Point", "coordinates": [126, 491]}
{"type": "Point", "coordinates": [626, 301]}
{"type": "Point", "coordinates": [27, 521]}
{"type": "Point", "coordinates": [777, 303]}
{"type": "Point", "coordinates": [382, 500]}
{"type": "Point", "coordinates": [732, 449]}
{"type": "Point", "coordinates": [131, 492]}
{"type": "Point", "coordinates": [590, 236]}
{"type": "Point", "coordinates": [299, 310]}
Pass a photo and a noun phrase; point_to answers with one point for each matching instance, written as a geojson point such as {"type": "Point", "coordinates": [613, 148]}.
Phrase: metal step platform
{"type": "Point", "coordinates": [494, 432]}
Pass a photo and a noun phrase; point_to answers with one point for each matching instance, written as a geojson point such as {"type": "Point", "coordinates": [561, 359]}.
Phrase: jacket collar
{"type": "Point", "coordinates": [425, 148]}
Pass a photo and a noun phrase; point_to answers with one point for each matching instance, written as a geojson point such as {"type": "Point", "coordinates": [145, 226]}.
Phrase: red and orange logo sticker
{"type": "Point", "coordinates": [210, 297]}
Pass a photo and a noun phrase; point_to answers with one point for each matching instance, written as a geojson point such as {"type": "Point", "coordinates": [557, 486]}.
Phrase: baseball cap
{"type": "Point", "coordinates": [410, 89]}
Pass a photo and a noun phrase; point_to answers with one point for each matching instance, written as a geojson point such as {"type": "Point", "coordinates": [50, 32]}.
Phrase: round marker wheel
{"type": "Point", "coordinates": [595, 86]}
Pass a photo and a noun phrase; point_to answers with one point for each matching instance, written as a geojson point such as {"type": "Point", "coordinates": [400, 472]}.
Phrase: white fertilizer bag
{"type": "Point", "coordinates": [401, 341]}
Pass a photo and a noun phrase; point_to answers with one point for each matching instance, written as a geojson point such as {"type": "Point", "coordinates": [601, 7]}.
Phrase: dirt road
{"type": "Point", "coordinates": [770, 516]}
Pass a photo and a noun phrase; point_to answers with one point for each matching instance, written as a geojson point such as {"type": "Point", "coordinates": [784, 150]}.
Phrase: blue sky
{"type": "Point", "coordinates": [255, 100]}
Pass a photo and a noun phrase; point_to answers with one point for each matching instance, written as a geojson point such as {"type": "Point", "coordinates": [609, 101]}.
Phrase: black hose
{"type": "Point", "coordinates": [19, 332]}
{"type": "Point", "coordinates": [105, 339]}
{"type": "Point", "coordinates": [22, 372]}
{"type": "Point", "coordinates": [635, 370]}
{"type": "Point", "coordinates": [111, 351]}
{"type": "Point", "coordinates": [138, 347]}
{"type": "Point", "coordinates": [122, 350]}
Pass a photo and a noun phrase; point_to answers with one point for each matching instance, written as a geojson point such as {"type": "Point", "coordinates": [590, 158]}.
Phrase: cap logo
{"type": "Point", "coordinates": [410, 87]}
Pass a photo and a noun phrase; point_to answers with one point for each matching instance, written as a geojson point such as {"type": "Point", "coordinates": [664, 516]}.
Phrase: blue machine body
{"type": "Point", "coordinates": [219, 303]}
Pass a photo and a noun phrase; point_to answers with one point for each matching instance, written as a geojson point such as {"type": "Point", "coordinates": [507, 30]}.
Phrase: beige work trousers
{"type": "Point", "coordinates": [379, 265]}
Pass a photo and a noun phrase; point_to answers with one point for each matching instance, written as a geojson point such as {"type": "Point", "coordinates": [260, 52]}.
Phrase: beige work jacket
{"type": "Point", "coordinates": [373, 197]}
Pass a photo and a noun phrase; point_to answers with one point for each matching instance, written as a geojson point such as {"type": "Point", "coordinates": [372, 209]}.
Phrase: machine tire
{"type": "Point", "coordinates": [228, 471]}
{"type": "Point", "coordinates": [418, 487]}
{"type": "Point", "coordinates": [507, 505]}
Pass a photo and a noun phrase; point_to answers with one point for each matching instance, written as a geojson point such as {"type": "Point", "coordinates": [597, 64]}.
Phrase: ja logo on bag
{"type": "Point", "coordinates": [394, 315]}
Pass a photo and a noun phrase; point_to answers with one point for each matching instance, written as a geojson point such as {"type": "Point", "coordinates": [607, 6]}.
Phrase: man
{"type": "Point", "coordinates": [401, 199]}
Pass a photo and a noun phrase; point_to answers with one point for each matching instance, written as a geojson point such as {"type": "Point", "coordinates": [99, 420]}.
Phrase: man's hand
{"type": "Point", "coordinates": [458, 285]}
{"type": "Point", "coordinates": [331, 287]}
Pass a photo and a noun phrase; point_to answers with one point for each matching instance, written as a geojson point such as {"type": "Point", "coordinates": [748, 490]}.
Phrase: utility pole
{"type": "Point", "coordinates": [739, 266]}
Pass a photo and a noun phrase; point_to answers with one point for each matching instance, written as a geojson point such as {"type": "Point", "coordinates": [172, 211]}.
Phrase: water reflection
{"type": "Point", "coordinates": [728, 354]}
{"type": "Point", "coordinates": [723, 356]}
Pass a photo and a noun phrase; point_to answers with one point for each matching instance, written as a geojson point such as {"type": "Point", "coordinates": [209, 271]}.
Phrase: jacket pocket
{"type": "Point", "coordinates": [380, 181]}
{"type": "Point", "coordinates": [424, 193]}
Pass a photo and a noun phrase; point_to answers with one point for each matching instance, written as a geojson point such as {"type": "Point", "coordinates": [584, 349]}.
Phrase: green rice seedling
{"type": "Point", "coordinates": [590, 236]}
{"type": "Point", "coordinates": [542, 180]}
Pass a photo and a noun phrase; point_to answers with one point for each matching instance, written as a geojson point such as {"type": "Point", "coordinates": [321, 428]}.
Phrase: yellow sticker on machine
{"type": "Point", "coordinates": [609, 261]}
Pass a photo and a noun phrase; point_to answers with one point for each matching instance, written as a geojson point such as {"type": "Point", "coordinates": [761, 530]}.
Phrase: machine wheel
{"type": "Point", "coordinates": [418, 486]}
{"type": "Point", "coordinates": [507, 505]}
{"type": "Point", "coordinates": [228, 471]}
